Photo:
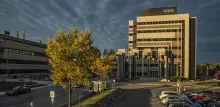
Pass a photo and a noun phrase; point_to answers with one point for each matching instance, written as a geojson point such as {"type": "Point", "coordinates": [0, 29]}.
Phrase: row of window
{"type": "Point", "coordinates": [174, 47]}
{"type": "Point", "coordinates": [161, 30]}
{"type": "Point", "coordinates": [16, 61]}
{"type": "Point", "coordinates": [159, 39]}
{"type": "Point", "coordinates": [162, 57]}
{"type": "Point", "coordinates": [19, 71]}
{"type": "Point", "coordinates": [161, 22]}
{"type": "Point", "coordinates": [22, 52]}
{"type": "Point", "coordinates": [151, 65]}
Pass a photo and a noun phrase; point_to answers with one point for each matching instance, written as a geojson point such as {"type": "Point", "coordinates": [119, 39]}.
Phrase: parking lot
{"type": "Point", "coordinates": [148, 95]}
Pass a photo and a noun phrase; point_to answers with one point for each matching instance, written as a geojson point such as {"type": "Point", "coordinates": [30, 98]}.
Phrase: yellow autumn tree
{"type": "Point", "coordinates": [103, 65]}
{"type": "Point", "coordinates": [70, 55]}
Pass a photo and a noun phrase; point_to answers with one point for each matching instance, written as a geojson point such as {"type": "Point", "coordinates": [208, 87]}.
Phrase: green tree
{"type": "Point", "coordinates": [109, 52]}
{"type": "Point", "coordinates": [70, 55]}
{"type": "Point", "coordinates": [198, 69]}
{"type": "Point", "coordinates": [104, 65]}
{"type": "Point", "coordinates": [217, 66]}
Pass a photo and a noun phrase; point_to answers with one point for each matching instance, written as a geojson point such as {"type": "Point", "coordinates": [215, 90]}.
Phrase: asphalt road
{"type": "Point", "coordinates": [40, 97]}
{"type": "Point", "coordinates": [140, 96]}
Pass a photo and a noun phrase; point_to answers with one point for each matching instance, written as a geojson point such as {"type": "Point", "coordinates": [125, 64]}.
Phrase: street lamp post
{"type": "Point", "coordinates": [180, 72]}
{"type": "Point", "coordinates": [129, 66]}
{"type": "Point", "coordinates": [207, 68]}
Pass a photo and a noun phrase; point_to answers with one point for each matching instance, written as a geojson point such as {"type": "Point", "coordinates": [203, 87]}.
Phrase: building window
{"type": "Point", "coordinates": [153, 65]}
{"type": "Point", "coordinates": [139, 65]}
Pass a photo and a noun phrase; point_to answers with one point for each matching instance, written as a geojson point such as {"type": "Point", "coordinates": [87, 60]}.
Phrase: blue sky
{"type": "Point", "coordinates": [107, 19]}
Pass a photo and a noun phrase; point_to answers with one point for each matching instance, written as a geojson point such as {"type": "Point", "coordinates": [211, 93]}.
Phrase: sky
{"type": "Point", "coordinates": [107, 19]}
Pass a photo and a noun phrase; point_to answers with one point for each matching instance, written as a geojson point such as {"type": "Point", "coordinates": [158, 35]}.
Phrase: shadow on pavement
{"type": "Point", "coordinates": [140, 97]}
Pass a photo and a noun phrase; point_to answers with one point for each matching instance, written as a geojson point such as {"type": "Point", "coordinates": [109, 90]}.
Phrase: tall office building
{"type": "Point", "coordinates": [162, 44]}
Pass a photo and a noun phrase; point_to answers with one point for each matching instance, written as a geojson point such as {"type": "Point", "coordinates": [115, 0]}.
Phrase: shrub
{"type": "Point", "coordinates": [217, 75]}
{"type": "Point", "coordinates": [175, 78]}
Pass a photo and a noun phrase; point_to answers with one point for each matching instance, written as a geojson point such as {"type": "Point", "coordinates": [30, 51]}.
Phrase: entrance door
{"type": "Point", "coordinates": [154, 74]}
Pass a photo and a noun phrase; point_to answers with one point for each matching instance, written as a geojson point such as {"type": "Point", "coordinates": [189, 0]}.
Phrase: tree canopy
{"type": "Point", "coordinates": [70, 55]}
{"type": "Point", "coordinates": [103, 65]}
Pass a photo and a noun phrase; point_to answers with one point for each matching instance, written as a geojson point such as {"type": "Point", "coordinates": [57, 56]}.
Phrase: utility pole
{"type": "Point", "coordinates": [129, 66]}
{"type": "Point", "coordinates": [7, 68]}
{"type": "Point", "coordinates": [180, 71]}
{"type": "Point", "coordinates": [207, 68]}
{"type": "Point", "coordinates": [24, 34]}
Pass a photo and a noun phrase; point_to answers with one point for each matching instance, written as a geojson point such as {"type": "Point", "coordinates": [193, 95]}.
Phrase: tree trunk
{"type": "Point", "coordinates": [70, 94]}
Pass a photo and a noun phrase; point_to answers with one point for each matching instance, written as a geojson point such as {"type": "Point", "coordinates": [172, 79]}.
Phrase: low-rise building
{"type": "Point", "coordinates": [22, 57]}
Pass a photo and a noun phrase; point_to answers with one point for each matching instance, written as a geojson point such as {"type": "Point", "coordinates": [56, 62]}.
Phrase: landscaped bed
{"type": "Point", "coordinates": [208, 83]}
{"type": "Point", "coordinates": [94, 98]}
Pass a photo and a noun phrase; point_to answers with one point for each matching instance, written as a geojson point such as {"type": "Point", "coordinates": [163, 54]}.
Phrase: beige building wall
{"type": "Point", "coordinates": [140, 40]}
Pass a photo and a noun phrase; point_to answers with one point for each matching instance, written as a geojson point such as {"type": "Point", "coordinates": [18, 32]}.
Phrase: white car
{"type": "Point", "coordinates": [166, 93]}
{"type": "Point", "coordinates": [168, 98]}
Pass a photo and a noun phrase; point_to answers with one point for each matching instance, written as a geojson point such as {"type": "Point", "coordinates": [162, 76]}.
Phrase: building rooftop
{"type": "Point", "coordinates": [8, 37]}
{"type": "Point", "coordinates": [159, 11]}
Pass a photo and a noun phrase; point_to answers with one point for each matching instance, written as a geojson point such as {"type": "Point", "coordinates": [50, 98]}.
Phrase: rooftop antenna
{"type": "Point", "coordinates": [17, 34]}
{"type": "Point", "coordinates": [24, 34]}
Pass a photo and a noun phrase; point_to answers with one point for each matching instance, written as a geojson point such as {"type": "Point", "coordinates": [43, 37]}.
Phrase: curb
{"type": "Point", "coordinates": [42, 87]}
{"type": "Point", "coordinates": [116, 100]}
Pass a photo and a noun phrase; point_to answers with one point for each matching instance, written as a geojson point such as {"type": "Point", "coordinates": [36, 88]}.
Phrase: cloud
{"type": "Point", "coordinates": [107, 19]}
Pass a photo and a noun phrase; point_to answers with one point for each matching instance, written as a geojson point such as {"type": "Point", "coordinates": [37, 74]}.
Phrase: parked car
{"type": "Point", "coordinates": [187, 94]}
{"type": "Point", "coordinates": [184, 100]}
{"type": "Point", "coordinates": [166, 93]}
{"type": "Point", "coordinates": [165, 100]}
{"type": "Point", "coordinates": [178, 104]}
{"type": "Point", "coordinates": [21, 79]}
{"type": "Point", "coordinates": [78, 86]}
{"type": "Point", "coordinates": [215, 104]}
{"type": "Point", "coordinates": [204, 101]}
{"type": "Point", "coordinates": [19, 90]}
{"type": "Point", "coordinates": [204, 92]}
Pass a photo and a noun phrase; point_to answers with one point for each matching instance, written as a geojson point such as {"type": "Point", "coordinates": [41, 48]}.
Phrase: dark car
{"type": "Point", "coordinates": [79, 86]}
{"type": "Point", "coordinates": [178, 104]}
{"type": "Point", "coordinates": [213, 105]}
{"type": "Point", "coordinates": [19, 90]}
{"type": "Point", "coordinates": [185, 101]}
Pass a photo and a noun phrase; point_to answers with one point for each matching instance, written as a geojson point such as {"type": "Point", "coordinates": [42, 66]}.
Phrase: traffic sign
{"type": "Point", "coordinates": [31, 104]}
{"type": "Point", "coordinates": [52, 94]}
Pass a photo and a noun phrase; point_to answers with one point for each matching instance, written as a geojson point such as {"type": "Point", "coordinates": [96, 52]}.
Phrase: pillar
{"type": "Point", "coordinates": [142, 67]}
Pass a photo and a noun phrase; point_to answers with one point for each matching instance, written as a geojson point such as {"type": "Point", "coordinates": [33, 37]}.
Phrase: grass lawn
{"type": "Point", "coordinates": [207, 84]}
{"type": "Point", "coordinates": [94, 98]}
{"type": "Point", "coordinates": [5, 86]}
